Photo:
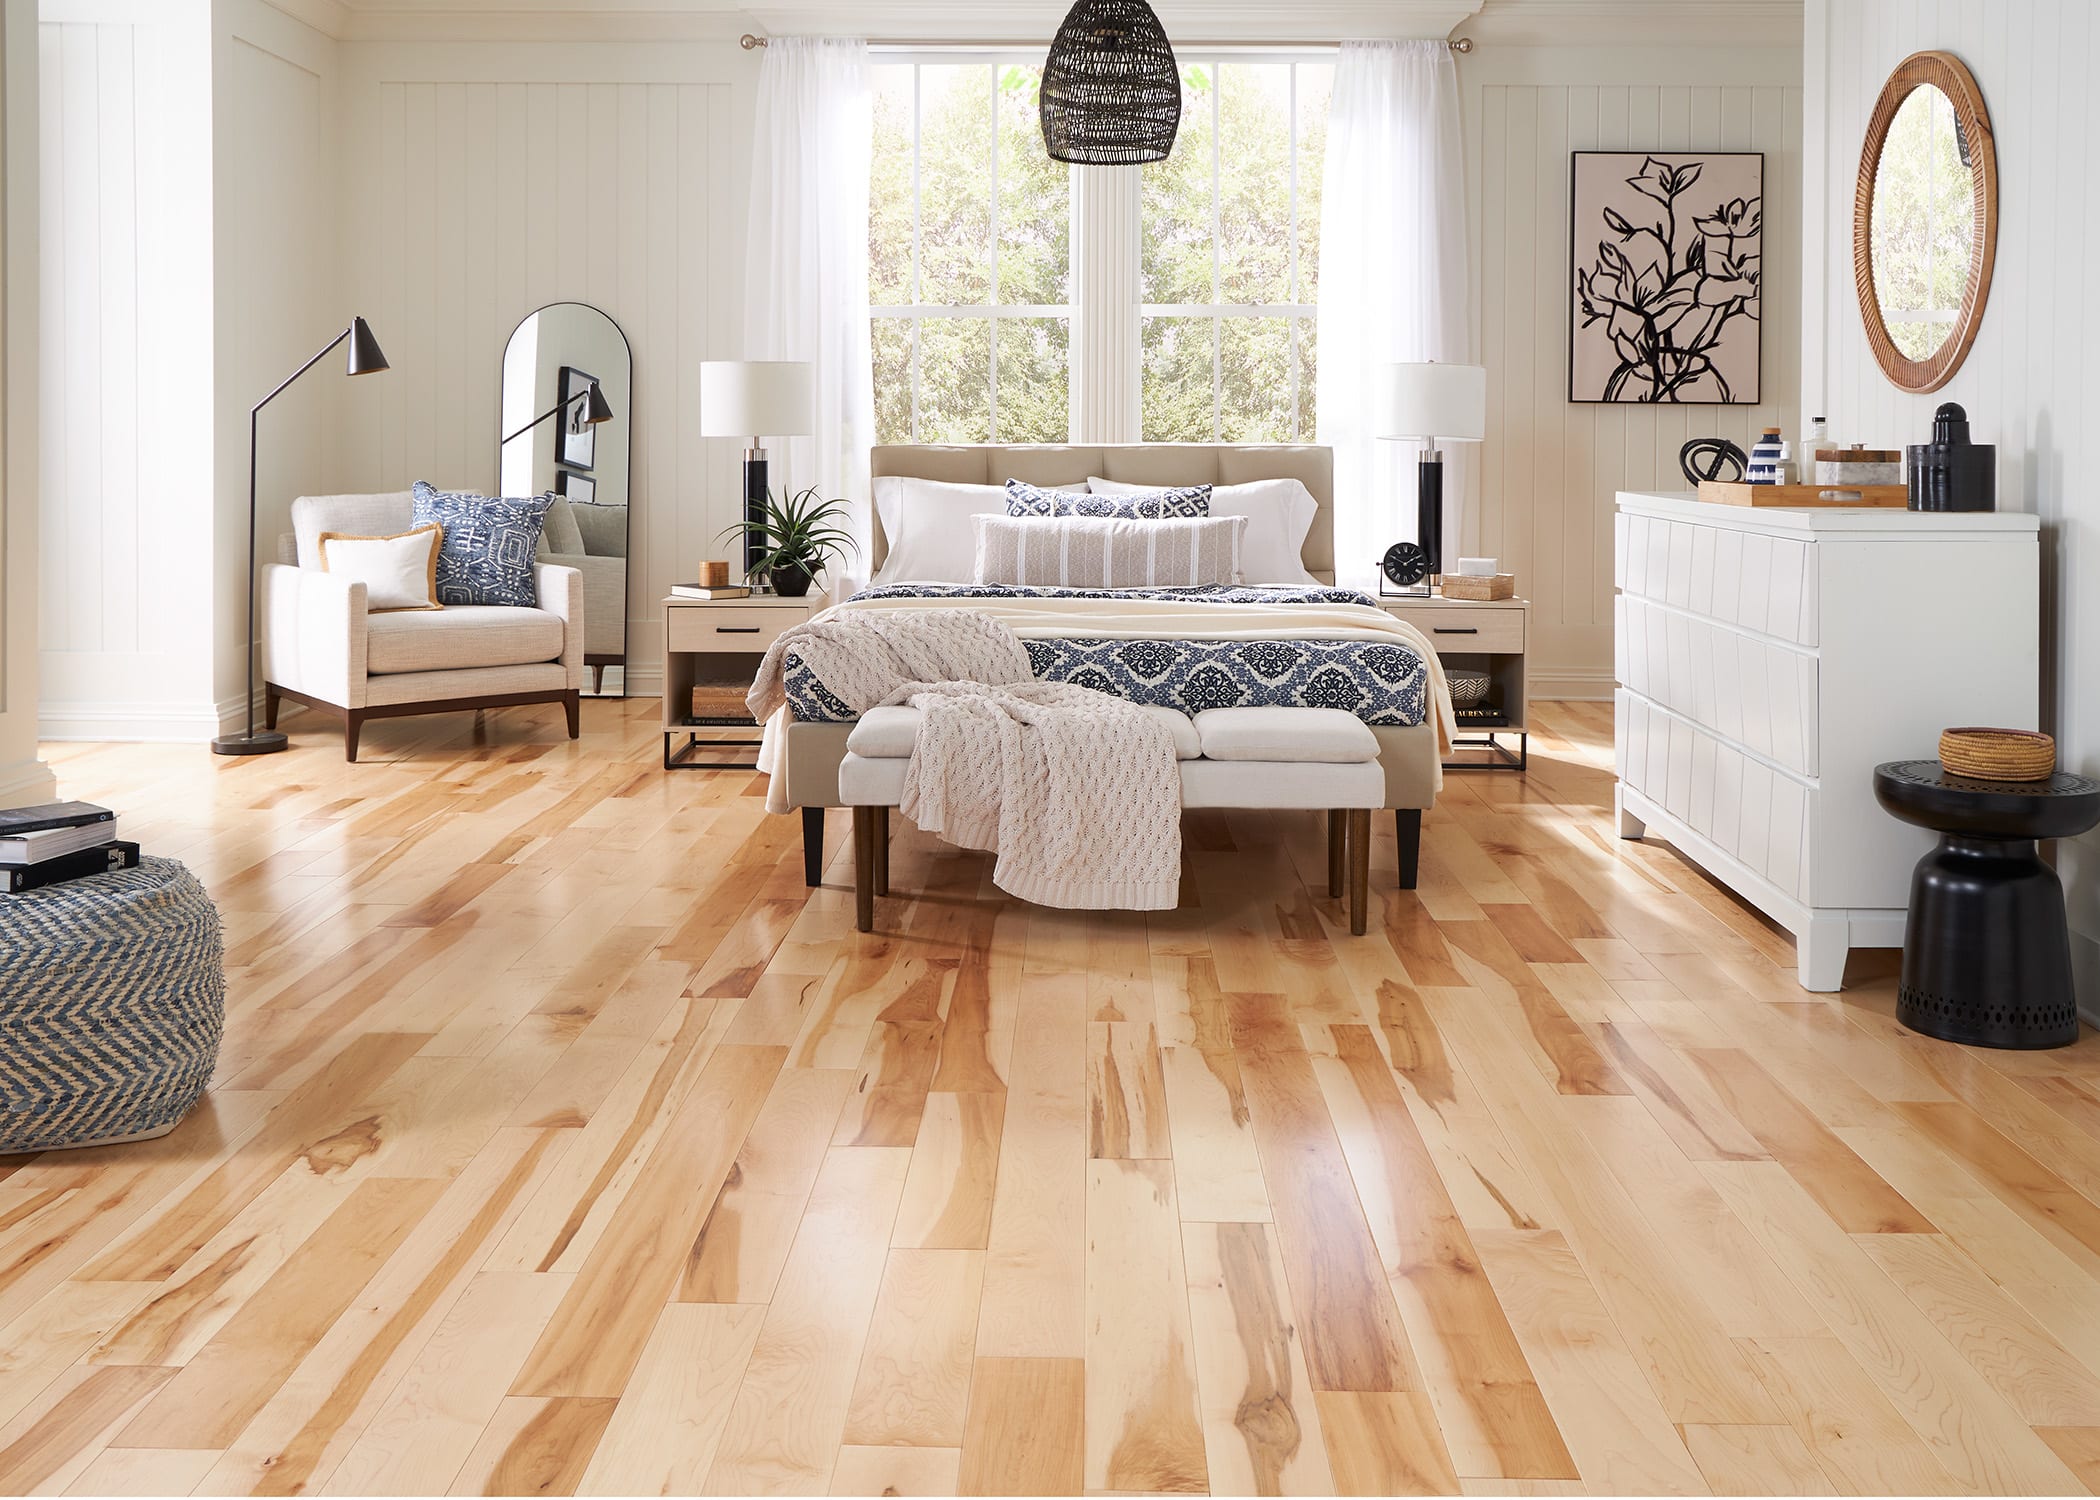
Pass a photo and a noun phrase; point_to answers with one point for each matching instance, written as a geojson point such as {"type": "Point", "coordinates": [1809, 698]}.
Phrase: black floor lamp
{"type": "Point", "coordinates": [365, 359]}
{"type": "Point", "coordinates": [596, 409]}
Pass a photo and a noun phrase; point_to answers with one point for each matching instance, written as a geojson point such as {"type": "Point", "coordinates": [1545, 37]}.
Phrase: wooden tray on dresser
{"type": "Point", "coordinates": [1803, 496]}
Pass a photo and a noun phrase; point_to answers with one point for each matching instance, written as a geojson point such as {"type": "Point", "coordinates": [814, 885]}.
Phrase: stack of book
{"type": "Point", "coordinates": [710, 591]}
{"type": "Point", "coordinates": [57, 841]}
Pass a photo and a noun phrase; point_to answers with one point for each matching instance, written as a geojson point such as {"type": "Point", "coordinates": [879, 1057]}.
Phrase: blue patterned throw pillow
{"type": "Point", "coordinates": [489, 541]}
{"type": "Point", "coordinates": [1188, 503]}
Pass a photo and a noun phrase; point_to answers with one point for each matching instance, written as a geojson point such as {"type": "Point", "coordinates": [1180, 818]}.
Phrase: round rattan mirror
{"type": "Point", "coordinates": [1925, 220]}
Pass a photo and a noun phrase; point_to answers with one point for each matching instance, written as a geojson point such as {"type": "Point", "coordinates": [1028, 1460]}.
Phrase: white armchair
{"type": "Point", "coordinates": [322, 648]}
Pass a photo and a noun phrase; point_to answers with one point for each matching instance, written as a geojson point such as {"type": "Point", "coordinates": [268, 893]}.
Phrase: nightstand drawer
{"type": "Point", "coordinates": [728, 627]}
{"type": "Point", "coordinates": [1457, 628]}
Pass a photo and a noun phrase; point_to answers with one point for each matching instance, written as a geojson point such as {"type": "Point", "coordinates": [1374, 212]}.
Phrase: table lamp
{"type": "Point", "coordinates": [756, 399]}
{"type": "Point", "coordinates": [1430, 403]}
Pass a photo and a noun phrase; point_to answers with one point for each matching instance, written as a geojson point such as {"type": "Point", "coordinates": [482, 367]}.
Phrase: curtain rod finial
{"type": "Point", "coordinates": [747, 41]}
{"type": "Point", "coordinates": [1462, 45]}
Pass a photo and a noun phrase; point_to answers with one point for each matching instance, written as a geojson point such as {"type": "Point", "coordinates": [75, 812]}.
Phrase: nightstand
{"type": "Point", "coordinates": [1485, 637]}
{"type": "Point", "coordinates": [718, 643]}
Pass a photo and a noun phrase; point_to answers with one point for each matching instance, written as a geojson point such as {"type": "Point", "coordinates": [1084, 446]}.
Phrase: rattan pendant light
{"type": "Point", "coordinates": [1111, 93]}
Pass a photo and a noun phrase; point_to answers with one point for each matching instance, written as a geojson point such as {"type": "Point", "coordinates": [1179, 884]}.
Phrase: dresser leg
{"type": "Point", "coordinates": [1630, 825]}
{"type": "Point", "coordinates": [1820, 952]}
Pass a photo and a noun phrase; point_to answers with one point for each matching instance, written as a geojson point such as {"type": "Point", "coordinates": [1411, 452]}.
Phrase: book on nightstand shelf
{"type": "Point", "coordinates": [700, 591]}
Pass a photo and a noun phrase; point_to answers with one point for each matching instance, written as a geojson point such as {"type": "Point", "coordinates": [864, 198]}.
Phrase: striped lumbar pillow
{"type": "Point", "coordinates": [1088, 552]}
{"type": "Point", "coordinates": [1186, 503]}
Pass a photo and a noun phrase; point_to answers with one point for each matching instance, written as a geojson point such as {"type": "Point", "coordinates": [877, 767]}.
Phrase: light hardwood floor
{"type": "Point", "coordinates": [563, 1142]}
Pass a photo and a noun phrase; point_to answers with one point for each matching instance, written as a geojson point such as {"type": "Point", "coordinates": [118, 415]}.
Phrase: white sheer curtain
{"type": "Point", "coordinates": [806, 258]}
{"type": "Point", "coordinates": [1392, 277]}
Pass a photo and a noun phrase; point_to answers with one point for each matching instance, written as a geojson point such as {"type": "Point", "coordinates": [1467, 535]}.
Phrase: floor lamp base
{"type": "Point", "coordinates": [260, 742]}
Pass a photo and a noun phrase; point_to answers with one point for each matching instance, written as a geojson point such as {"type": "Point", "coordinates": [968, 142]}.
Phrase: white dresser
{"type": "Point", "coordinates": [1769, 659]}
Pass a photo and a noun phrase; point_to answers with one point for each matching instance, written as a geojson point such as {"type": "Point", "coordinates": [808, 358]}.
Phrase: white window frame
{"type": "Point", "coordinates": [915, 313]}
{"type": "Point", "coordinates": [1297, 314]}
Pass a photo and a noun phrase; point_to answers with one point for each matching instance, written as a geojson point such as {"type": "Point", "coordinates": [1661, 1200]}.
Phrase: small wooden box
{"type": "Point", "coordinates": [714, 575]}
{"type": "Point", "coordinates": [1480, 590]}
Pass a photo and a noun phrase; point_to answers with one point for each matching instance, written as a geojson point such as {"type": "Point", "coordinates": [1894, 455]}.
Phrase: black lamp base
{"type": "Point", "coordinates": [260, 742]}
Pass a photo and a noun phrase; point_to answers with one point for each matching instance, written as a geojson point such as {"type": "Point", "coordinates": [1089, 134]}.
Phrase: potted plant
{"type": "Point", "coordinates": [798, 537]}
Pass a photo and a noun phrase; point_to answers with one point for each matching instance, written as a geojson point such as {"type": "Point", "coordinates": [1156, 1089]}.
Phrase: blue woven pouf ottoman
{"type": "Point", "coordinates": [112, 1003]}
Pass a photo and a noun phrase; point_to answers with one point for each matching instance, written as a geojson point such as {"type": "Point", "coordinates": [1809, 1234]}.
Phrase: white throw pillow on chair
{"type": "Point", "coordinates": [398, 572]}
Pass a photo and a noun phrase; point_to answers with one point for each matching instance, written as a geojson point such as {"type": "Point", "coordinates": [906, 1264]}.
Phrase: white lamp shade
{"type": "Point", "coordinates": [1432, 402]}
{"type": "Point", "coordinates": [756, 398]}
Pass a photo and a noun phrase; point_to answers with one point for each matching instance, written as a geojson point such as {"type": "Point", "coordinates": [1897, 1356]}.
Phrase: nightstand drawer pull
{"type": "Point", "coordinates": [1454, 630]}
{"type": "Point", "coordinates": [736, 630]}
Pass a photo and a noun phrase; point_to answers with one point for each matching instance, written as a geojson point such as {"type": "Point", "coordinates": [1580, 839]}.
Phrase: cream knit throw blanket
{"type": "Point", "coordinates": [1077, 792]}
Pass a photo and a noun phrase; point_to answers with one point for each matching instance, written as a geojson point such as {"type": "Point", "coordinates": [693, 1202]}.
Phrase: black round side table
{"type": "Point", "coordinates": [1987, 953]}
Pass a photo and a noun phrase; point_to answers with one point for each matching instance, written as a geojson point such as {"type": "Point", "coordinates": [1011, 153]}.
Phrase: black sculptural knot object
{"type": "Point", "coordinates": [1987, 952]}
{"type": "Point", "coordinates": [1111, 93]}
{"type": "Point", "coordinates": [1950, 472]}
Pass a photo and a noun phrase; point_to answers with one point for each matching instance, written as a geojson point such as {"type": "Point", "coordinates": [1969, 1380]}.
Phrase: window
{"type": "Point", "coordinates": [970, 250]}
{"type": "Point", "coordinates": [971, 255]}
{"type": "Point", "coordinates": [1231, 255]}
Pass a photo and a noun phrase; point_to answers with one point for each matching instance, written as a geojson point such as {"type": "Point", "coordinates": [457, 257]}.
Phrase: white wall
{"type": "Point", "coordinates": [128, 456]}
{"type": "Point", "coordinates": [491, 178]}
{"type": "Point", "coordinates": [2028, 382]}
{"type": "Point", "coordinates": [1540, 496]}
{"type": "Point", "coordinates": [23, 777]}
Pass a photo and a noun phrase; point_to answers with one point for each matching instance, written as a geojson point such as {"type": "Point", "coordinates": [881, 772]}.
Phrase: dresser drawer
{"type": "Point", "coordinates": [1755, 581]}
{"type": "Point", "coordinates": [1758, 692]}
{"type": "Point", "coordinates": [1750, 811]}
{"type": "Point", "coordinates": [1456, 628]}
{"type": "Point", "coordinates": [727, 627]}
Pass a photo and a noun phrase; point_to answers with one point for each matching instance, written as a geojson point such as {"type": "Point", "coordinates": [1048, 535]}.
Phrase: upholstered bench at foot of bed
{"type": "Point", "coordinates": [1228, 757]}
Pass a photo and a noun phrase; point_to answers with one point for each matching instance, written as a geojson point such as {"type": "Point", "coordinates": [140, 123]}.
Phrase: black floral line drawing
{"type": "Point", "coordinates": [1666, 313]}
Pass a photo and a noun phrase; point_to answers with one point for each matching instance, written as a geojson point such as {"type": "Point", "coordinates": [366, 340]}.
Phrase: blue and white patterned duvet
{"type": "Point", "coordinates": [1380, 682]}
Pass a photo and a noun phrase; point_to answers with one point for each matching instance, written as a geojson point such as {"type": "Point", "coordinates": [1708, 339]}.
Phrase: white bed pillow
{"type": "Point", "coordinates": [1100, 552]}
{"type": "Point", "coordinates": [398, 572]}
{"type": "Point", "coordinates": [1279, 513]}
{"type": "Point", "coordinates": [927, 525]}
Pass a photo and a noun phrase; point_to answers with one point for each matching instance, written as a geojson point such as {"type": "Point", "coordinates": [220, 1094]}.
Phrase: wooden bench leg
{"type": "Point", "coordinates": [882, 850]}
{"type": "Point", "coordinates": [1407, 822]}
{"type": "Point", "coordinates": [864, 869]}
{"type": "Point", "coordinates": [1337, 836]}
{"type": "Point", "coordinates": [812, 846]}
{"type": "Point", "coordinates": [1359, 868]}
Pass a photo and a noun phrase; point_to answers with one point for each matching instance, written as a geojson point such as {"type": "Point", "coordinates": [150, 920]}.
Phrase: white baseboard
{"type": "Point", "coordinates": [26, 783]}
{"type": "Point", "coordinates": [2085, 975]}
{"type": "Point", "coordinates": [1586, 687]}
{"type": "Point", "coordinates": [159, 723]}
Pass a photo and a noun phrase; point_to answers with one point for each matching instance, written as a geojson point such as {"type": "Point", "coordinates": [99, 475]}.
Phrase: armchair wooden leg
{"type": "Point", "coordinates": [572, 704]}
{"type": "Point", "coordinates": [1359, 868]}
{"type": "Point", "coordinates": [353, 724]}
{"type": "Point", "coordinates": [864, 869]}
{"type": "Point", "coordinates": [1407, 822]}
{"type": "Point", "coordinates": [812, 846]}
{"type": "Point", "coordinates": [1337, 837]}
{"type": "Point", "coordinates": [271, 699]}
{"type": "Point", "coordinates": [882, 851]}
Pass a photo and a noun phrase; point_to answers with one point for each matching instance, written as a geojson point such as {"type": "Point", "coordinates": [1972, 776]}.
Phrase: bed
{"type": "Point", "coordinates": [1183, 660]}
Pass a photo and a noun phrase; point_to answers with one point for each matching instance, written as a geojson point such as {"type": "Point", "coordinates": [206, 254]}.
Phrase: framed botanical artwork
{"type": "Point", "coordinates": [578, 489]}
{"type": "Point", "coordinates": [578, 438]}
{"type": "Point", "coordinates": [1667, 277]}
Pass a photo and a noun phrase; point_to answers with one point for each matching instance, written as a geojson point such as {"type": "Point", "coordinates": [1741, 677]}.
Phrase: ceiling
{"type": "Point", "coordinates": [1595, 22]}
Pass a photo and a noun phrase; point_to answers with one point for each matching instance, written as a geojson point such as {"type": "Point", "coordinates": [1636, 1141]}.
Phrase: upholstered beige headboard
{"type": "Point", "coordinates": [1137, 463]}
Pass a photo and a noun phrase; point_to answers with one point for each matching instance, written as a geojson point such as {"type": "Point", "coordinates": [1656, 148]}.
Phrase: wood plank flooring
{"type": "Point", "coordinates": [563, 1142]}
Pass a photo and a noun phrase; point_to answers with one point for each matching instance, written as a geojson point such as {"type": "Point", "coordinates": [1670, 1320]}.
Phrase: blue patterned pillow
{"type": "Point", "coordinates": [1189, 503]}
{"type": "Point", "coordinates": [487, 552]}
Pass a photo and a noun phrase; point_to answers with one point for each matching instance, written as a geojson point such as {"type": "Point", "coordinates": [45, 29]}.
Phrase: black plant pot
{"type": "Point", "coordinates": [791, 583]}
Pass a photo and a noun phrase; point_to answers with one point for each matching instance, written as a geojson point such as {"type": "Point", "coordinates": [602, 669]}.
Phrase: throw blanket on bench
{"type": "Point", "coordinates": [1077, 792]}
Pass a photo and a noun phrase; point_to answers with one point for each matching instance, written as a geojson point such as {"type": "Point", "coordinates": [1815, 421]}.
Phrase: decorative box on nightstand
{"type": "Point", "coordinates": [1485, 637]}
{"type": "Point", "coordinates": [717, 643]}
